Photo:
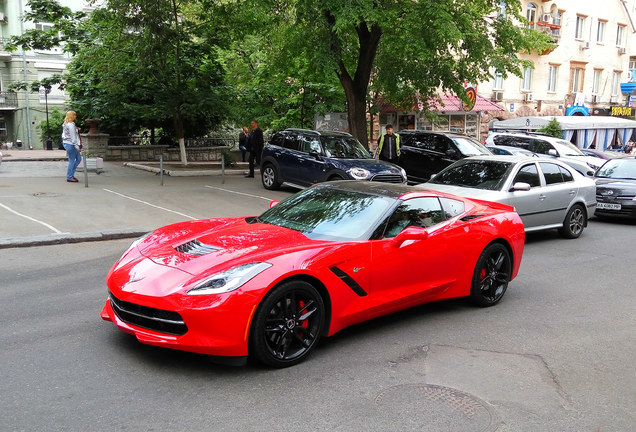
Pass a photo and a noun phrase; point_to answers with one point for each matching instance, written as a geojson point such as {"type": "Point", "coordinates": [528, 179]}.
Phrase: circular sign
{"type": "Point", "coordinates": [472, 99]}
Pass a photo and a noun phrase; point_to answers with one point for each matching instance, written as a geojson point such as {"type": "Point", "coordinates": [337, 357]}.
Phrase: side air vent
{"type": "Point", "coordinates": [470, 217]}
{"type": "Point", "coordinates": [195, 247]}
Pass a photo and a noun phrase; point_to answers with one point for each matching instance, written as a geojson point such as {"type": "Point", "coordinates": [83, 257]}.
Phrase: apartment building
{"type": "Point", "coordinates": [21, 112]}
{"type": "Point", "coordinates": [583, 74]}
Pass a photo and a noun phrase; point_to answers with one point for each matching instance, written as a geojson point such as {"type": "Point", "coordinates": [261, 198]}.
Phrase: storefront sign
{"type": "Point", "coordinates": [621, 111]}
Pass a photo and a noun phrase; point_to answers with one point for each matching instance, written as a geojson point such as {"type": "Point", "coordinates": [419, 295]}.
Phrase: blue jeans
{"type": "Point", "coordinates": [74, 159]}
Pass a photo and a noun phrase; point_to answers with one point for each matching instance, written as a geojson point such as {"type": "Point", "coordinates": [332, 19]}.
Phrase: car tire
{"type": "Point", "coordinates": [287, 324]}
{"type": "Point", "coordinates": [335, 177]}
{"type": "Point", "coordinates": [574, 222]}
{"type": "Point", "coordinates": [492, 275]}
{"type": "Point", "coordinates": [270, 177]}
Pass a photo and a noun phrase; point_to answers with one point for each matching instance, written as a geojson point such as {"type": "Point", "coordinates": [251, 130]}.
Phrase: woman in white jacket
{"type": "Point", "coordinates": [71, 142]}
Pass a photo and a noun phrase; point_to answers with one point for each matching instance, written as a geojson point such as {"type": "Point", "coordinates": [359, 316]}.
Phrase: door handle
{"type": "Point", "coordinates": [572, 192]}
{"type": "Point", "coordinates": [541, 197]}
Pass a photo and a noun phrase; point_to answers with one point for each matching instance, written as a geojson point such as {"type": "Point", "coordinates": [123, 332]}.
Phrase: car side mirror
{"type": "Point", "coordinates": [451, 152]}
{"type": "Point", "coordinates": [520, 186]}
{"type": "Point", "coordinates": [273, 203]}
{"type": "Point", "coordinates": [410, 233]}
{"type": "Point", "coordinates": [552, 152]}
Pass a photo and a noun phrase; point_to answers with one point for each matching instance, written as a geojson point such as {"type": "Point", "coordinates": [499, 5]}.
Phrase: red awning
{"type": "Point", "coordinates": [451, 103]}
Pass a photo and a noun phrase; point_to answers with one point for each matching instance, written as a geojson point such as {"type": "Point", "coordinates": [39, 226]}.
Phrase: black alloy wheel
{"type": "Point", "coordinates": [575, 221]}
{"type": "Point", "coordinates": [287, 324]}
{"type": "Point", "coordinates": [492, 275]}
{"type": "Point", "coordinates": [270, 178]}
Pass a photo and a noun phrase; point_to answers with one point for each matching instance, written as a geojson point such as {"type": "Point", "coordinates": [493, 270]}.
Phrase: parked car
{"type": "Point", "coordinates": [425, 153]}
{"type": "Point", "coordinates": [328, 257]}
{"type": "Point", "coordinates": [604, 154]}
{"type": "Point", "coordinates": [547, 194]}
{"type": "Point", "coordinates": [509, 151]}
{"type": "Point", "coordinates": [616, 188]}
{"type": "Point", "coordinates": [301, 158]}
{"type": "Point", "coordinates": [548, 147]}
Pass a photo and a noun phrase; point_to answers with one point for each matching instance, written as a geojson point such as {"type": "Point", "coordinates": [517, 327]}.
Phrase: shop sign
{"type": "Point", "coordinates": [622, 111]}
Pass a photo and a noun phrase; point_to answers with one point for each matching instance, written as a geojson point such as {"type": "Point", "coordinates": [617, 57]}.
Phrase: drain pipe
{"type": "Point", "coordinates": [26, 92]}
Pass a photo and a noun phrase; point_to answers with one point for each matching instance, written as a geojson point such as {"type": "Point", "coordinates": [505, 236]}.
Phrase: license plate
{"type": "Point", "coordinates": [608, 206]}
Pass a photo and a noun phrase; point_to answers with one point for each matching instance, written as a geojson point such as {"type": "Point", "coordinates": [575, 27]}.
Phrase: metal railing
{"type": "Point", "coordinates": [8, 100]}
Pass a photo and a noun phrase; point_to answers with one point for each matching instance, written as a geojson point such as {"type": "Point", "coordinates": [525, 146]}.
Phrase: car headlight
{"type": "Point", "coordinates": [228, 280]}
{"type": "Point", "coordinates": [359, 173]}
{"type": "Point", "coordinates": [403, 173]}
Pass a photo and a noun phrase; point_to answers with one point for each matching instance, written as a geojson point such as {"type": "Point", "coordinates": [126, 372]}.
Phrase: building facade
{"type": "Point", "coordinates": [22, 112]}
{"type": "Point", "coordinates": [583, 74]}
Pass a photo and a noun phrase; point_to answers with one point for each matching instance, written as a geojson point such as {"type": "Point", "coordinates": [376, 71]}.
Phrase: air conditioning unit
{"type": "Point", "coordinates": [528, 97]}
{"type": "Point", "coordinates": [497, 96]}
{"type": "Point", "coordinates": [596, 98]}
{"type": "Point", "coordinates": [622, 51]}
{"type": "Point", "coordinates": [545, 17]}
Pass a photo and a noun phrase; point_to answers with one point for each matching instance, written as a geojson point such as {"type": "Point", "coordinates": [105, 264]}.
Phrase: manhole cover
{"type": "Point", "coordinates": [436, 408]}
{"type": "Point", "coordinates": [46, 194]}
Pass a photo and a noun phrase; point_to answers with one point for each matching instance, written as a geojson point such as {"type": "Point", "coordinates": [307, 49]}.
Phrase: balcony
{"type": "Point", "coordinates": [4, 55]}
{"type": "Point", "coordinates": [8, 101]}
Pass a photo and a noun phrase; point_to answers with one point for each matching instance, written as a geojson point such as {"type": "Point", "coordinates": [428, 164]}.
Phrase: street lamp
{"type": "Point", "coordinates": [49, 141]}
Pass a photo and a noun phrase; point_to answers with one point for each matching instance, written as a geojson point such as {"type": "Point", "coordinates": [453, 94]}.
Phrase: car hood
{"type": "Point", "coordinates": [372, 165]}
{"type": "Point", "coordinates": [597, 162]}
{"type": "Point", "coordinates": [620, 187]}
{"type": "Point", "coordinates": [218, 244]}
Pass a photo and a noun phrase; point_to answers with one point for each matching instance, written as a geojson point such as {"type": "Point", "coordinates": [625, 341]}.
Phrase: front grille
{"type": "Point", "coordinates": [195, 247]}
{"type": "Point", "coordinates": [388, 178]}
{"type": "Point", "coordinates": [159, 320]}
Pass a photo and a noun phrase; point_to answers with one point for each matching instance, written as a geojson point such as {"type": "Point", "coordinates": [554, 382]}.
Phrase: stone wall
{"type": "Point", "coordinates": [96, 145]}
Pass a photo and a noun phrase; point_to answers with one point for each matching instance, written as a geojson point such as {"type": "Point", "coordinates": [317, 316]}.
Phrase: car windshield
{"type": "Point", "coordinates": [567, 149]}
{"type": "Point", "coordinates": [618, 169]}
{"type": "Point", "coordinates": [469, 147]}
{"type": "Point", "coordinates": [327, 213]}
{"type": "Point", "coordinates": [344, 148]}
{"type": "Point", "coordinates": [479, 174]}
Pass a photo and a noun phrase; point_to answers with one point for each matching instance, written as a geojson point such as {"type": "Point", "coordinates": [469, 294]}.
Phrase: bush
{"type": "Point", "coordinates": [553, 128]}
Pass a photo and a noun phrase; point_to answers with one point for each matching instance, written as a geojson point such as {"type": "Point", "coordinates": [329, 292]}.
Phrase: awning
{"type": "Point", "coordinates": [566, 122]}
{"type": "Point", "coordinates": [450, 103]}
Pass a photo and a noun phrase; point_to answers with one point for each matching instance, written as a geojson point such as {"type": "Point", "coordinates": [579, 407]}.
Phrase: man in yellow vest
{"type": "Point", "coordinates": [389, 146]}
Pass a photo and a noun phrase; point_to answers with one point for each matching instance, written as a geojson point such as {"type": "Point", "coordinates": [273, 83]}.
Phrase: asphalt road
{"type": "Point", "coordinates": [556, 354]}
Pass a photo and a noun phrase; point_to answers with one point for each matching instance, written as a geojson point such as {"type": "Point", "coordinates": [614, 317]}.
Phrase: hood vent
{"type": "Point", "coordinates": [195, 247]}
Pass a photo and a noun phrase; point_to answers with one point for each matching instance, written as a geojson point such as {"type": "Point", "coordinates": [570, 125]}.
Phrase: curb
{"type": "Point", "coordinates": [183, 173]}
{"type": "Point", "coordinates": [65, 238]}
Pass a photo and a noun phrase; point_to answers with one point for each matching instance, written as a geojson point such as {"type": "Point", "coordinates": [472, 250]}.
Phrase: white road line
{"type": "Point", "coordinates": [151, 205]}
{"type": "Point", "coordinates": [240, 193]}
{"type": "Point", "coordinates": [55, 230]}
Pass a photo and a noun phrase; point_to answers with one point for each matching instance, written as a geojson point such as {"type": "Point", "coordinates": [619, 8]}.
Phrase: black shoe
{"type": "Point", "coordinates": [249, 176]}
{"type": "Point", "coordinates": [73, 180]}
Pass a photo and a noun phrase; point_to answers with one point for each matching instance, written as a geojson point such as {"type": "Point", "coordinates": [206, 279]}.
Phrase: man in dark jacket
{"type": "Point", "coordinates": [255, 145]}
{"type": "Point", "coordinates": [243, 137]}
{"type": "Point", "coordinates": [389, 145]}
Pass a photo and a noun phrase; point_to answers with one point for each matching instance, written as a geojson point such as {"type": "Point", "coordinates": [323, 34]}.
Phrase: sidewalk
{"type": "Point", "coordinates": [38, 207]}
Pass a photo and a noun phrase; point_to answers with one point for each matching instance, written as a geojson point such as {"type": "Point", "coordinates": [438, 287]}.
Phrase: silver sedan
{"type": "Point", "coordinates": [547, 194]}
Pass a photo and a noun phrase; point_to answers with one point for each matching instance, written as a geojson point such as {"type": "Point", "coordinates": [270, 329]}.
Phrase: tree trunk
{"type": "Point", "coordinates": [356, 87]}
{"type": "Point", "coordinates": [178, 127]}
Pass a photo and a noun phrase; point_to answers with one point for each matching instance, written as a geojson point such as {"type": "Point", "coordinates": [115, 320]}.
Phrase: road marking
{"type": "Point", "coordinates": [151, 205]}
{"type": "Point", "coordinates": [240, 193]}
{"type": "Point", "coordinates": [52, 228]}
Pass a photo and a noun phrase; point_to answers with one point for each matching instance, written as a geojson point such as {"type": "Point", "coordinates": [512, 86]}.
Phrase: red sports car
{"type": "Point", "coordinates": [330, 256]}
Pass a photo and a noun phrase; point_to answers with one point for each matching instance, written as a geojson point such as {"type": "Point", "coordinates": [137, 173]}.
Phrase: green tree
{"type": "Point", "coordinates": [54, 127]}
{"type": "Point", "coordinates": [552, 128]}
{"type": "Point", "coordinates": [402, 50]}
{"type": "Point", "coordinates": [140, 63]}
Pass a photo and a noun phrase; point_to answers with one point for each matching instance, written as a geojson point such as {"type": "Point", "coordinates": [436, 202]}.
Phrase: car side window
{"type": "Point", "coordinates": [513, 141]}
{"type": "Point", "coordinates": [309, 144]}
{"type": "Point", "coordinates": [542, 147]}
{"type": "Point", "coordinates": [528, 174]}
{"type": "Point", "coordinates": [291, 142]}
{"type": "Point", "coordinates": [421, 212]}
{"type": "Point", "coordinates": [567, 175]}
{"type": "Point", "coordinates": [441, 144]}
{"type": "Point", "coordinates": [551, 173]}
{"type": "Point", "coordinates": [424, 142]}
{"type": "Point", "coordinates": [278, 140]}
{"type": "Point", "coordinates": [452, 207]}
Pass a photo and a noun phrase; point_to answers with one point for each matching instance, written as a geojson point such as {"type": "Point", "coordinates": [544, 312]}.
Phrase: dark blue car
{"type": "Point", "coordinates": [301, 157]}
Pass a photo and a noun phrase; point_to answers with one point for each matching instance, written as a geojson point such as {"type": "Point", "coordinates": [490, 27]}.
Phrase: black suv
{"type": "Point", "coordinates": [424, 153]}
{"type": "Point", "coordinates": [302, 157]}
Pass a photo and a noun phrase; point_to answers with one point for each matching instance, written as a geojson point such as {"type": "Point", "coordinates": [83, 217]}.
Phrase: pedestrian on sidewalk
{"type": "Point", "coordinates": [389, 146]}
{"type": "Point", "coordinates": [255, 145]}
{"type": "Point", "coordinates": [243, 137]}
{"type": "Point", "coordinates": [72, 145]}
